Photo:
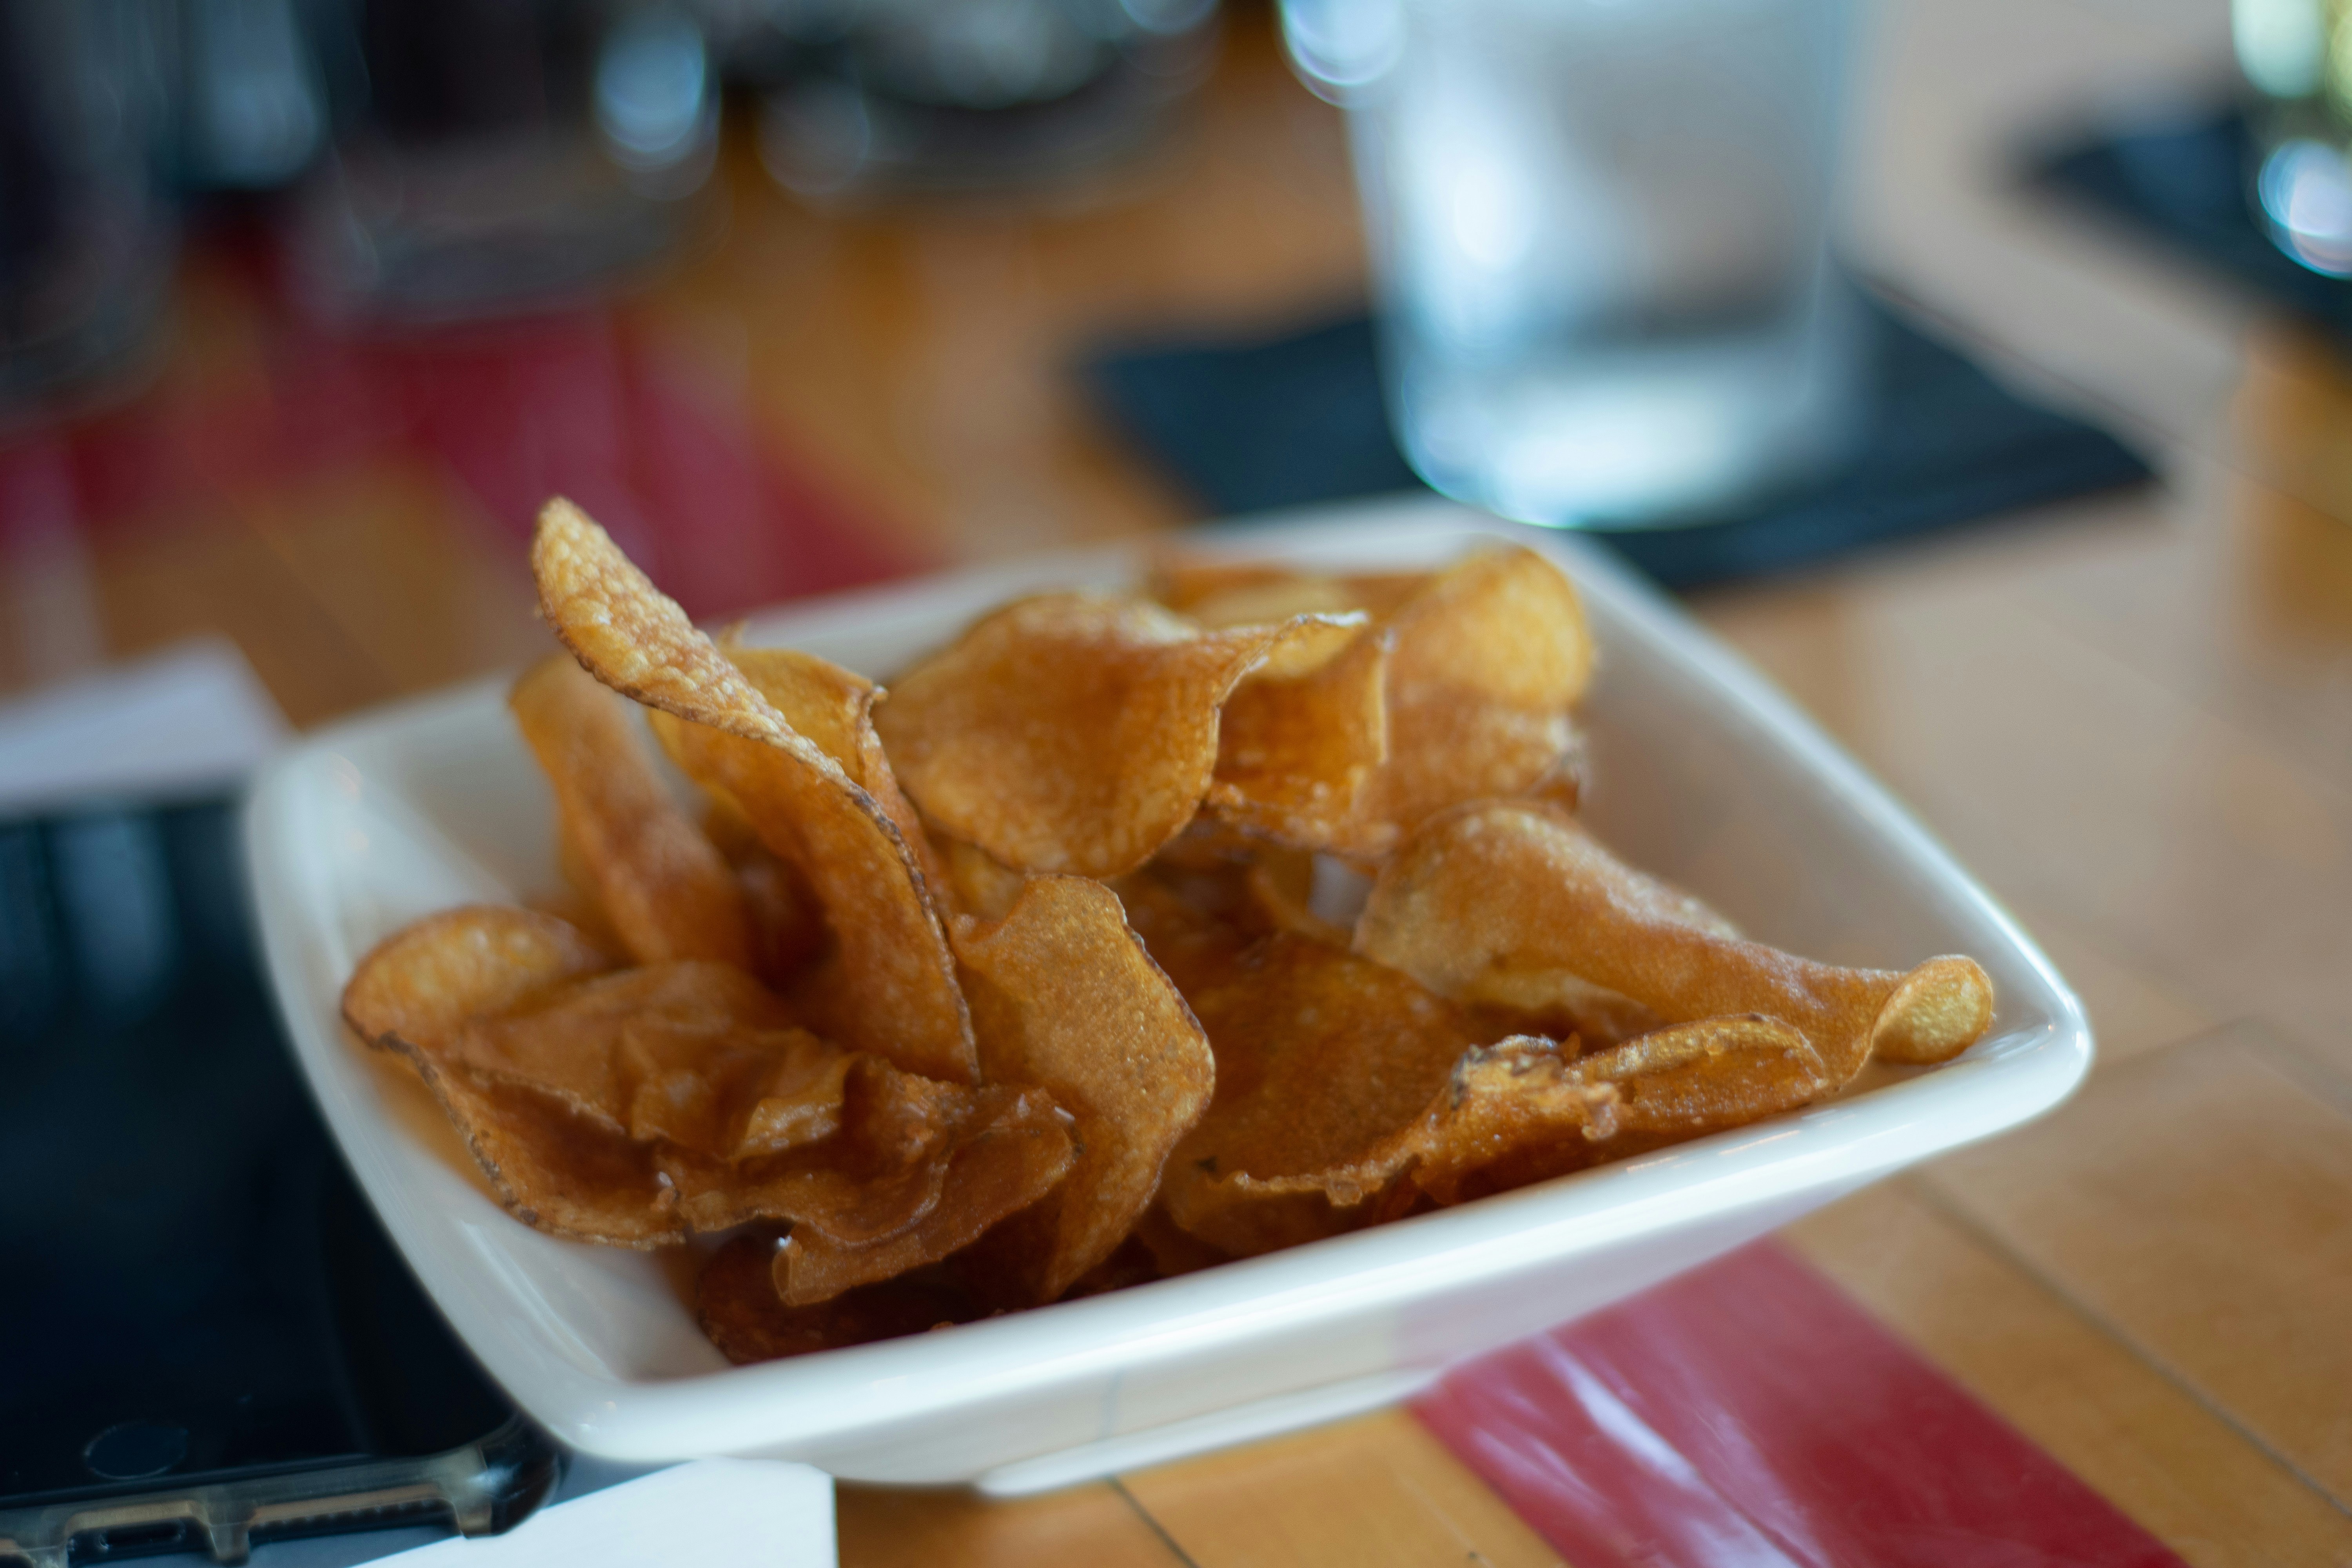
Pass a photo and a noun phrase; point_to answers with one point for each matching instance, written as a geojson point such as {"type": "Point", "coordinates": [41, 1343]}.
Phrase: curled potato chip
{"type": "Point", "coordinates": [1063, 995]}
{"type": "Point", "coordinates": [788, 931]}
{"type": "Point", "coordinates": [737, 1305]}
{"type": "Point", "coordinates": [1192, 942]}
{"type": "Point", "coordinates": [658, 880]}
{"type": "Point", "coordinates": [1009, 1153]}
{"type": "Point", "coordinates": [1319, 1057]}
{"type": "Point", "coordinates": [1242, 592]}
{"type": "Point", "coordinates": [976, 882]}
{"type": "Point", "coordinates": [557, 1171]}
{"type": "Point", "coordinates": [1296, 750]}
{"type": "Point", "coordinates": [834, 707]}
{"type": "Point", "coordinates": [1522, 1111]}
{"type": "Point", "coordinates": [1493, 899]}
{"type": "Point", "coordinates": [888, 985]}
{"type": "Point", "coordinates": [568, 1043]}
{"type": "Point", "coordinates": [1072, 732]}
{"type": "Point", "coordinates": [1486, 659]}
{"type": "Point", "coordinates": [880, 1170]}
{"type": "Point", "coordinates": [551, 1168]}
{"type": "Point", "coordinates": [1507, 1117]}
{"type": "Point", "coordinates": [1490, 656]}
{"type": "Point", "coordinates": [425, 980]}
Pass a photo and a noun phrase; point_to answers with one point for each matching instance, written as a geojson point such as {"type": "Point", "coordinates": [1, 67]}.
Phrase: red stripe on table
{"type": "Point", "coordinates": [1748, 1412]}
{"type": "Point", "coordinates": [697, 489]}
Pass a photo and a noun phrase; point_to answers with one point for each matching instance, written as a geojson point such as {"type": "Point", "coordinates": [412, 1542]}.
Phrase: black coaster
{"type": "Point", "coordinates": [2186, 183]}
{"type": "Point", "coordinates": [1246, 426]}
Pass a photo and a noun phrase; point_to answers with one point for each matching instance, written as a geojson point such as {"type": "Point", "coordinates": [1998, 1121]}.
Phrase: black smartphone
{"type": "Point", "coordinates": [205, 1338]}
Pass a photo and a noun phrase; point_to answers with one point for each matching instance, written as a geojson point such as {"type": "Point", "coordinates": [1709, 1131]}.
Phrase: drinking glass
{"type": "Point", "coordinates": [510, 155]}
{"type": "Point", "coordinates": [1599, 236]}
{"type": "Point", "coordinates": [2297, 56]}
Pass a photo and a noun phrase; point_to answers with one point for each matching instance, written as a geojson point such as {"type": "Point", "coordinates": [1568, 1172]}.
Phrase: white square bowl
{"type": "Point", "coordinates": [1703, 773]}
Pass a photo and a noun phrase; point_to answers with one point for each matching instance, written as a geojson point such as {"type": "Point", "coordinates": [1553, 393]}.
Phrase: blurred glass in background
{"type": "Point", "coordinates": [2297, 56]}
{"type": "Point", "coordinates": [1599, 235]}
{"type": "Point", "coordinates": [86, 232]}
{"type": "Point", "coordinates": [895, 96]}
{"type": "Point", "coordinates": [507, 153]}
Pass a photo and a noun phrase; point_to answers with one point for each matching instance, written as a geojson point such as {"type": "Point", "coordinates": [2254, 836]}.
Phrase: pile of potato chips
{"type": "Point", "coordinates": [1123, 935]}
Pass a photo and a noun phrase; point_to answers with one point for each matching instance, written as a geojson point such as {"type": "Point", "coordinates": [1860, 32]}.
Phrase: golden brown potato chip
{"type": "Point", "coordinates": [1069, 732]}
{"type": "Point", "coordinates": [1490, 656]}
{"type": "Point", "coordinates": [788, 931]}
{"type": "Point", "coordinates": [1319, 1057]}
{"type": "Point", "coordinates": [1010, 1152]}
{"type": "Point", "coordinates": [1296, 752]}
{"type": "Point", "coordinates": [1246, 593]}
{"type": "Point", "coordinates": [834, 707]}
{"type": "Point", "coordinates": [739, 1306]}
{"type": "Point", "coordinates": [1191, 942]}
{"type": "Point", "coordinates": [1522, 1111]}
{"type": "Point", "coordinates": [1063, 995]}
{"type": "Point", "coordinates": [665, 888]}
{"type": "Point", "coordinates": [1487, 657]}
{"type": "Point", "coordinates": [423, 984]}
{"type": "Point", "coordinates": [556, 1170]}
{"type": "Point", "coordinates": [882, 1175]}
{"type": "Point", "coordinates": [568, 1042]}
{"type": "Point", "coordinates": [1498, 899]}
{"type": "Point", "coordinates": [423, 981]}
{"type": "Point", "coordinates": [888, 985]}
{"type": "Point", "coordinates": [1241, 592]}
{"type": "Point", "coordinates": [976, 882]}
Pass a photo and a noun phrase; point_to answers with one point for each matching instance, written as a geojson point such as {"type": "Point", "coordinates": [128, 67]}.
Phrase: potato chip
{"type": "Point", "coordinates": [1497, 898]}
{"type": "Point", "coordinates": [834, 707]}
{"type": "Point", "coordinates": [1193, 946]}
{"type": "Point", "coordinates": [889, 983]}
{"type": "Point", "coordinates": [557, 1171]}
{"type": "Point", "coordinates": [788, 931]}
{"type": "Point", "coordinates": [1489, 657]}
{"type": "Point", "coordinates": [1522, 1111]}
{"type": "Point", "coordinates": [977, 883]}
{"type": "Point", "coordinates": [1073, 732]}
{"type": "Point", "coordinates": [425, 980]}
{"type": "Point", "coordinates": [1242, 592]}
{"type": "Point", "coordinates": [1013, 1149]}
{"type": "Point", "coordinates": [737, 1305]}
{"type": "Point", "coordinates": [1296, 750]}
{"type": "Point", "coordinates": [1063, 995]}
{"type": "Point", "coordinates": [1320, 1055]}
{"type": "Point", "coordinates": [567, 1043]}
{"type": "Point", "coordinates": [553, 1168]}
{"type": "Point", "coordinates": [666, 891]}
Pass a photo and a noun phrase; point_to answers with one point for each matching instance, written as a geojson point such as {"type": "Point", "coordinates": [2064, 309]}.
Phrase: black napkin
{"type": "Point", "coordinates": [2186, 183]}
{"type": "Point", "coordinates": [1248, 425]}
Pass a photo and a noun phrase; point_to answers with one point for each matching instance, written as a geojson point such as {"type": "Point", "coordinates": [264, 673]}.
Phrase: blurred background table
{"type": "Point", "coordinates": [2131, 717]}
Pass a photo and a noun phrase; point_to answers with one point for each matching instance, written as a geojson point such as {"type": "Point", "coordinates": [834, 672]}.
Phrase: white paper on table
{"type": "Point", "coordinates": [192, 717]}
{"type": "Point", "coordinates": [715, 1511]}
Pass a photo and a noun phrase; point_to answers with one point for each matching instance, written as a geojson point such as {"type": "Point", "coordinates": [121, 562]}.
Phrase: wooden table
{"type": "Point", "coordinates": [2132, 716]}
